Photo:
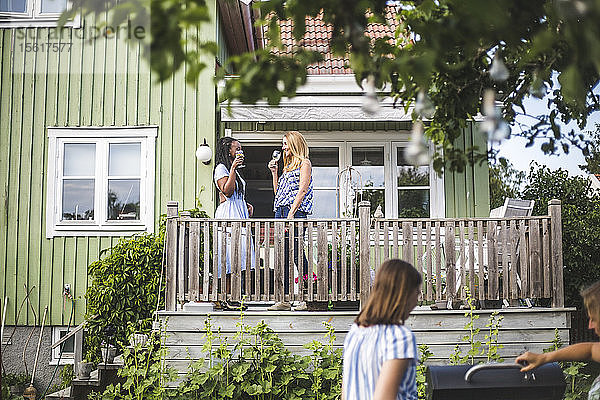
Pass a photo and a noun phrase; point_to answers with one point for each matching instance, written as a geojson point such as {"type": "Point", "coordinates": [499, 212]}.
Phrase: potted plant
{"type": "Point", "coordinates": [108, 352]}
{"type": "Point", "coordinates": [84, 369]}
{"type": "Point", "coordinates": [138, 339]}
{"type": "Point", "coordinates": [16, 383]}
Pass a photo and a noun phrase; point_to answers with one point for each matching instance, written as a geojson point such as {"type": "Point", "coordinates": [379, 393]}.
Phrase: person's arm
{"type": "Point", "coordinates": [575, 352]}
{"type": "Point", "coordinates": [305, 173]}
{"type": "Point", "coordinates": [227, 183]}
{"type": "Point", "coordinates": [273, 169]}
{"type": "Point", "coordinates": [390, 377]}
{"type": "Point", "coordinates": [250, 209]}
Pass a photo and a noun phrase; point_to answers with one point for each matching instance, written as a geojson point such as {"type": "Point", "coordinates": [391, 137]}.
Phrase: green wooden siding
{"type": "Point", "coordinates": [103, 82]}
{"type": "Point", "coordinates": [466, 192]}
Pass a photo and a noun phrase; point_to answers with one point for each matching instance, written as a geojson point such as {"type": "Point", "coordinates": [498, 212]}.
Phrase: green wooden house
{"type": "Point", "coordinates": [92, 147]}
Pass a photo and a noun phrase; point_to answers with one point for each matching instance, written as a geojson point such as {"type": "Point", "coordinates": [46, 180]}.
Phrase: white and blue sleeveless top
{"type": "Point", "coordinates": [287, 190]}
{"type": "Point", "coordinates": [365, 351]}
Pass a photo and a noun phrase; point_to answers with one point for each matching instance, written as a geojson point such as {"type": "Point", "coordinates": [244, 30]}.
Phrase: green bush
{"type": "Point", "coordinates": [580, 224]}
{"type": "Point", "coordinates": [146, 377]}
{"type": "Point", "coordinates": [126, 289]}
{"type": "Point", "coordinates": [14, 379]}
{"type": "Point", "coordinates": [259, 366]}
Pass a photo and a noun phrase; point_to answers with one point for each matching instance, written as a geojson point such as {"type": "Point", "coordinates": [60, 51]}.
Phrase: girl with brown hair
{"type": "Point", "coordinates": [380, 352]}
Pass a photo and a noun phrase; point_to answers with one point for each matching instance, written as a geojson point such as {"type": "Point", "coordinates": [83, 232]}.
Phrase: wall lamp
{"type": "Point", "coordinates": [204, 153]}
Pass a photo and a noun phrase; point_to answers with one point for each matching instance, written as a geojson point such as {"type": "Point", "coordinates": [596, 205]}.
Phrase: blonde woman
{"type": "Point", "coordinates": [576, 352]}
{"type": "Point", "coordinates": [293, 197]}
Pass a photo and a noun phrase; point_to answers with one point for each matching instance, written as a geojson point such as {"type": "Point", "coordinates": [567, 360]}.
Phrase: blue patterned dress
{"type": "Point", "coordinates": [288, 186]}
{"type": "Point", "coordinates": [233, 207]}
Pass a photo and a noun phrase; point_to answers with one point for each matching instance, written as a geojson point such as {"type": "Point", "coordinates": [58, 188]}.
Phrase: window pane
{"type": "Point", "coordinates": [325, 163]}
{"type": "Point", "coordinates": [369, 163]}
{"type": "Point", "coordinates": [409, 175]}
{"type": "Point", "coordinates": [376, 197]}
{"type": "Point", "coordinates": [413, 176]}
{"type": "Point", "coordinates": [53, 6]}
{"type": "Point", "coordinates": [124, 199]}
{"type": "Point", "coordinates": [67, 346]}
{"type": "Point", "coordinates": [324, 204]}
{"type": "Point", "coordinates": [80, 159]}
{"type": "Point", "coordinates": [413, 203]}
{"type": "Point", "coordinates": [124, 159]}
{"type": "Point", "coordinates": [78, 199]}
{"type": "Point", "coordinates": [19, 6]}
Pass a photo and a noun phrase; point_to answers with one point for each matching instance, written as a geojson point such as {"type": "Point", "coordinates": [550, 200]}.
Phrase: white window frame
{"type": "Point", "coordinates": [102, 136]}
{"type": "Point", "coordinates": [387, 177]}
{"type": "Point", "coordinates": [34, 17]}
{"type": "Point", "coordinates": [341, 161]}
{"type": "Point", "coordinates": [66, 358]}
{"type": "Point", "coordinates": [345, 140]}
{"type": "Point", "coordinates": [437, 203]}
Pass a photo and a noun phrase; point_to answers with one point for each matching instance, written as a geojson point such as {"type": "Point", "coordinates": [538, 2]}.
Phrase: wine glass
{"type": "Point", "coordinates": [276, 155]}
{"type": "Point", "coordinates": [240, 153]}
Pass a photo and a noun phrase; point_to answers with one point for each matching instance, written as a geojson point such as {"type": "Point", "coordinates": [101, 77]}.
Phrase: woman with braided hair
{"type": "Point", "coordinates": [232, 197]}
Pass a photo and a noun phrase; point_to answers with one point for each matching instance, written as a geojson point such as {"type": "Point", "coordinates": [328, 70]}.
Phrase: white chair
{"type": "Point", "coordinates": [513, 208]}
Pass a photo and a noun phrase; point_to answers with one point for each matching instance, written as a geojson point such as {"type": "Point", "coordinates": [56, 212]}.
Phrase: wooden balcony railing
{"type": "Point", "coordinates": [494, 258]}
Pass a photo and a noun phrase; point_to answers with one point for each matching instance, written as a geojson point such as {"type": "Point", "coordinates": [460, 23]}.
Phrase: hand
{"type": "Point", "coordinates": [273, 166]}
{"type": "Point", "coordinates": [250, 209]}
{"type": "Point", "coordinates": [530, 361]}
{"type": "Point", "coordinates": [237, 161]}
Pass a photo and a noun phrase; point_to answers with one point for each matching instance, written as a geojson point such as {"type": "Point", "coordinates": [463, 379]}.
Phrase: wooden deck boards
{"type": "Point", "coordinates": [522, 329]}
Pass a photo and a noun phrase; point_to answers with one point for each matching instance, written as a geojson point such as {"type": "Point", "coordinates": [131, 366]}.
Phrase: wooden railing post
{"type": "Point", "coordinates": [171, 243]}
{"type": "Point", "coordinates": [556, 256]}
{"type": "Point", "coordinates": [364, 229]}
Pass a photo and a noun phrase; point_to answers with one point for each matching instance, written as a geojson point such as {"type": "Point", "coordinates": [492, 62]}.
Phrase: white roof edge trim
{"type": "Point", "coordinates": [340, 83]}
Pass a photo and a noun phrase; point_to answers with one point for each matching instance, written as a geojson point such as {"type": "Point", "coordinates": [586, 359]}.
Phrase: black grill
{"type": "Point", "coordinates": [494, 382]}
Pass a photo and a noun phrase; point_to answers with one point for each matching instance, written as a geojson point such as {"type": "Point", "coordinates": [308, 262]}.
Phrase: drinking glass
{"type": "Point", "coordinates": [240, 153]}
{"type": "Point", "coordinates": [276, 155]}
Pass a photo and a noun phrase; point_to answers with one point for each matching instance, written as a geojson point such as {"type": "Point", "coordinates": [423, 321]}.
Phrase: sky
{"type": "Point", "coordinates": [521, 157]}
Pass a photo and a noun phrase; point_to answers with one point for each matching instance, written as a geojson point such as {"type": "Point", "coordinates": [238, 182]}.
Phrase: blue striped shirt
{"type": "Point", "coordinates": [365, 351]}
{"type": "Point", "coordinates": [287, 190]}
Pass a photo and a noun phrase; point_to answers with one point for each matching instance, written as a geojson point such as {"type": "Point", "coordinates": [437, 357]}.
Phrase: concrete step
{"type": "Point", "coordinates": [64, 394]}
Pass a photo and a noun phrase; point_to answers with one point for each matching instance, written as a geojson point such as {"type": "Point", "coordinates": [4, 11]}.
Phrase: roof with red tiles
{"type": "Point", "coordinates": [317, 37]}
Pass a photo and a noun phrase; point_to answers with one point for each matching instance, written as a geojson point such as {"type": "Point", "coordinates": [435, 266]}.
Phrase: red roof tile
{"type": "Point", "coordinates": [317, 37]}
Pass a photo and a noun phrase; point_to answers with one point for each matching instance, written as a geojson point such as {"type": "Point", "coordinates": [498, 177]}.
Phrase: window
{"type": "Point", "coordinates": [100, 181]}
{"type": "Point", "coordinates": [67, 347]}
{"type": "Point", "coordinates": [325, 167]}
{"type": "Point", "coordinates": [369, 162]}
{"type": "Point", "coordinates": [412, 185]}
{"type": "Point", "coordinates": [24, 13]}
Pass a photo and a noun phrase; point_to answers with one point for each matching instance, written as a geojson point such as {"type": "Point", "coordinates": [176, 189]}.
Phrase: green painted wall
{"type": "Point", "coordinates": [468, 193]}
{"type": "Point", "coordinates": [103, 82]}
